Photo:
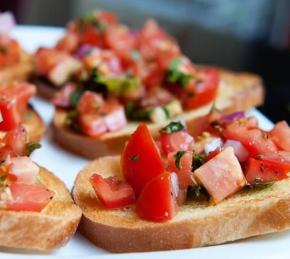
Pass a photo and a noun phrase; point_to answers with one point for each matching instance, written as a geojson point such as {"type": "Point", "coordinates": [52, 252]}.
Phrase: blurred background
{"type": "Point", "coordinates": [239, 35]}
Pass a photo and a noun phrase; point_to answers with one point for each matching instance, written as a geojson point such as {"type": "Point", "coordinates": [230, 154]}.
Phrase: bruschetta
{"type": "Point", "coordinates": [15, 110]}
{"type": "Point", "coordinates": [15, 63]}
{"type": "Point", "coordinates": [36, 209]}
{"type": "Point", "coordinates": [123, 77]}
{"type": "Point", "coordinates": [229, 183]}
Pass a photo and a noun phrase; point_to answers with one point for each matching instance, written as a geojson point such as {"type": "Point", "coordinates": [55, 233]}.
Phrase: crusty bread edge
{"type": "Point", "coordinates": [239, 220]}
{"type": "Point", "coordinates": [45, 230]}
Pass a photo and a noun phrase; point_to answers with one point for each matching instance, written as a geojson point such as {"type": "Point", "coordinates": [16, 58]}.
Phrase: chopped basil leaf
{"type": "Point", "coordinates": [134, 157]}
{"type": "Point", "coordinates": [90, 19]}
{"type": "Point", "coordinates": [166, 111]}
{"type": "Point", "coordinates": [31, 146]}
{"type": "Point", "coordinates": [3, 178]}
{"type": "Point", "coordinates": [197, 161]}
{"type": "Point", "coordinates": [175, 76]}
{"type": "Point", "coordinates": [75, 97]}
{"type": "Point", "coordinates": [71, 120]}
{"type": "Point", "coordinates": [172, 127]}
{"type": "Point", "coordinates": [178, 155]}
{"type": "Point", "coordinates": [197, 192]}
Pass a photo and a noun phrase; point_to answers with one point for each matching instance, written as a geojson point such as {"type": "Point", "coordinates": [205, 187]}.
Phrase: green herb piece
{"type": "Point", "coordinates": [31, 146]}
{"type": "Point", "coordinates": [3, 178]}
{"type": "Point", "coordinates": [91, 19]}
{"type": "Point", "coordinates": [134, 157]}
{"type": "Point", "coordinates": [172, 127]}
{"type": "Point", "coordinates": [197, 161]}
{"type": "Point", "coordinates": [175, 76]}
{"type": "Point", "coordinates": [197, 192]}
{"type": "Point", "coordinates": [178, 155]}
{"type": "Point", "coordinates": [75, 97]}
{"type": "Point", "coordinates": [166, 111]}
{"type": "Point", "coordinates": [71, 120]}
{"type": "Point", "coordinates": [258, 185]}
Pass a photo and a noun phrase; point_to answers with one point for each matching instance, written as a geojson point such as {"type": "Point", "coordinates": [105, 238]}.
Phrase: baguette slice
{"type": "Point", "coordinates": [238, 91]}
{"type": "Point", "coordinates": [248, 213]}
{"type": "Point", "coordinates": [45, 230]}
{"type": "Point", "coordinates": [19, 71]}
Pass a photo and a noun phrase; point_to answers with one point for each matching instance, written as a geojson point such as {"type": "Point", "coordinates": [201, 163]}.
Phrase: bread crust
{"type": "Point", "coordinates": [19, 71]}
{"type": "Point", "coordinates": [45, 89]}
{"type": "Point", "coordinates": [246, 214]}
{"type": "Point", "coordinates": [237, 91]}
{"type": "Point", "coordinates": [45, 230]}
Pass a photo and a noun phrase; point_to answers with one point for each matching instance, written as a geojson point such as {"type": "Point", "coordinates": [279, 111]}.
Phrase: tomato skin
{"type": "Point", "coordinates": [254, 140]}
{"type": "Point", "coordinates": [156, 201]}
{"type": "Point", "coordinates": [279, 160]}
{"type": "Point", "coordinates": [29, 197]}
{"type": "Point", "coordinates": [68, 43]}
{"type": "Point", "coordinates": [280, 134]}
{"type": "Point", "coordinates": [141, 159]}
{"type": "Point", "coordinates": [177, 141]}
{"type": "Point", "coordinates": [13, 104]}
{"type": "Point", "coordinates": [112, 192]}
{"type": "Point", "coordinates": [90, 102]}
{"type": "Point", "coordinates": [184, 174]}
{"type": "Point", "coordinates": [198, 94]}
{"type": "Point", "coordinates": [119, 39]}
{"type": "Point", "coordinates": [261, 171]}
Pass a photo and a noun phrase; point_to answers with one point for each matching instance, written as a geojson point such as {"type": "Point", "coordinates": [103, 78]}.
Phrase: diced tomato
{"type": "Point", "coordinates": [93, 37]}
{"type": "Point", "coordinates": [23, 169]}
{"type": "Point", "coordinates": [141, 159]}
{"type": "Point", "coordinates": [14, 143]}
{"type": "Point", "coordinates": [92, 125]}
{"type": "Point", "coordinates": [106, 17]}
{"type": "Point", "coordinates": [62, 97]}
{"type": "Point", "coordinates": [254, 140]}
{"type": "Point", "coordinates": [202, 91]}
{"type": "Point", "coordinates": [279, 160]}
{"type": "Point", "coordinates": [157, 201]}
{"type": "Point", "coordinates": [90, 102]}
{"type": "Point", "coordinates": [112, 192]}
{"type": "Point", "coordinates": [257, 171]}
{"type": "Point", "coordinates": [46, 59]}
{"type": "Point", "coordinates": [29, 197]}
{"type": "Point", "coordinates": [222, 175]}
{"type": "Point", "coordinates": [182, 167]}
{"type": "Point", "coordinates": [176, 141]}
{"type": "Point", "coordinates": [11, 51]}
{"type": "Point", "coordinates": [68, 43]}
{"type": "Point", "coordinates": [13, 104]}
{"type": "Point", "coordinates": [280, 134]}
{"type": "Point", "coordinates": [120, 39]}
{"type": "Point", "coordinates": [97, 117]}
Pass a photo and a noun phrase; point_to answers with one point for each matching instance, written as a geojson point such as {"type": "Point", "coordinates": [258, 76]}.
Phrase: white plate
{"type": "Point", "coordinates": [66, 166]}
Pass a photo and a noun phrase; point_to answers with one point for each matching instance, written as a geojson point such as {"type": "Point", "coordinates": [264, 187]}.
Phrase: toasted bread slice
{"type": "Point", "coordinates": [238, 91]}
{"type": "Point", "coordinates": [34, 125]}
{"type": "Point", "coordinates": [19, 71]}
{"type": "Point", "coordinates": [45, 230]}
{"type": "Point", "coordinates": [248, 213]}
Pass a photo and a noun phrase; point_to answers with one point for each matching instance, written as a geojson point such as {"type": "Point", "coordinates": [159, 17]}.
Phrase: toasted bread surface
{"type": "Point", "coordinates": [45, 230]}
{"type": "Point", "coordinates": [19, 71]}
{"type": "Point", "coordinates": [237, 91]}
{"type": "Point", "coordinates": [34, 125]}
{"type": "Point", "coordinates": [245, 214]}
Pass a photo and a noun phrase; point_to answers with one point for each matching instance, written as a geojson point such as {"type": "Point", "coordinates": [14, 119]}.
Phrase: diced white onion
{"type": "Point", "coordinates": [240, 151]}
{"type": "Point", "coordinates": [174, 181]}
